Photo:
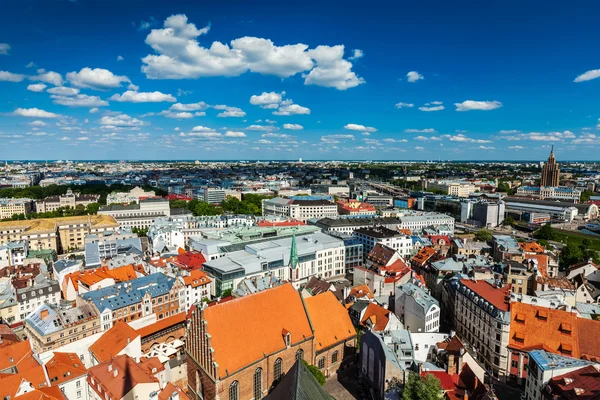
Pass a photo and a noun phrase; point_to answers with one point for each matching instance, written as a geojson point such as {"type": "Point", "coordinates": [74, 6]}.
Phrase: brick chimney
{"type": "Point", "coordinates": [44, 314]}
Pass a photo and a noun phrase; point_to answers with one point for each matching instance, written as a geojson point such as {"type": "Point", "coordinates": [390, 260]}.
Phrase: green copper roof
{"type": "Point", "coordinates": [293, 252]}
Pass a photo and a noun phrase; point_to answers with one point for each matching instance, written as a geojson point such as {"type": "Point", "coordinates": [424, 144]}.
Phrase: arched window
{"type": "Point", "coordinates": [258, 384]}
{"type": "Point", "coordinates": [234, 391]}
{"type": "Point", "coordinates": [321, 362]}
{"type": "Point", "coordinates": [334, 357]}
{"type": "Point", "coordinates": [277, 369]}
{"type": "Point", "coordinates": [300, 355]}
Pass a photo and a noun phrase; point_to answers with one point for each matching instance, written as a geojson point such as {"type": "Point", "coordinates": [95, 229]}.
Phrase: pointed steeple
{"type": "Point", "coordinates": [293, 252]}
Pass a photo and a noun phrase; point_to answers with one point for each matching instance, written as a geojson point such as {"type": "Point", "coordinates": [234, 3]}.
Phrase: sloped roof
{"type": "Point", "coordinates": [162, 324]}
{"type": "Point", "coordinates": [169, 389]}
{"type": "Point", "coordinates": [330, 320]}
{"type": "Point", "coordinates": [113, 341]}
{"type": "Point", "coordinates": [361, 291]}
{"type": "Point", "coordinates": [197, 278]}
{"type": "Point", "coordinates": [585, 384]}
{"type": "Point", "coordinates": [63, 367]}
{"type": "Point", "coordinates": [531, 247]}
{"type": "Point", "coordinates": [128, 375]}
{"type": "Point", "coordinates": [19, 363]}
{"type": "Point", "coordinates": [377, 316]}
{"type": "Point", "coordinates": [262, 316]}
{"type": "Point", "coordinates": [298, 384]}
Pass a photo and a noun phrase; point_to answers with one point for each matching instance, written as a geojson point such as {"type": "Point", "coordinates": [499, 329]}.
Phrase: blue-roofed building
{"type": "Point", "coordinates": [153, 295]}
{"type": "Point", "coordinates": [543, 366]}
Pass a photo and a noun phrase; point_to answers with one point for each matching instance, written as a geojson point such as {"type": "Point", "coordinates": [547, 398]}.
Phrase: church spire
{"type": "Point", "coordinates": [293, 252]}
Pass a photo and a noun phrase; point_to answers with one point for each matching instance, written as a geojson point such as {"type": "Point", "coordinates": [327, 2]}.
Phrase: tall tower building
{"type": "Point", "coordinates": [550, 172]}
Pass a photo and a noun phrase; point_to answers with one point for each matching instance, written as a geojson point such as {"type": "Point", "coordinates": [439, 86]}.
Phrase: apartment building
{"type": "Point", "coordinates": [155, 294]}
{"type": "Point", "coordinates": [140, 215]}
{"type": "Point", "coordinates": [416, 222]}
{"type": "Point", "coordinates": [355, 207]}
{"type": "Point", "coordinates": [369, 237]}
{"type": "Point", "coordinates": [550, 192]}
{"type": "Point", "coordinates": [58, 234]}
{"type": "Point", "coordinates": [211, 195]}
{"type": "Point", "coordinates": [13, 253]}
{"type": "Point", "coordinates": [133, 196]}
{"type": "Point", "coordinates": [50, 327]}
{"type": "Point", "coordinates": [37, 292]}
{"type": "Point", "coordinates": [452, 188]}
{"type": "Point", "coordinates": [69, 199]}
{"type": "Point", "coordinates": [482, 317]}
{"type": "Point", "coordinates": [10, 207]}
{"type": "Point", "coordinates": [347, 225]}
{"type": "Point", "coordinates": [417, 309]}
{"type": "Point", "coordinates": [294, 259]}
{"type": "Point", "coordinates": [300, 208]}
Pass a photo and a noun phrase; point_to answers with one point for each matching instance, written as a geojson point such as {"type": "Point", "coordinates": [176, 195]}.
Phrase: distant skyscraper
{"type": "Point", "coordinates": [550, 172]}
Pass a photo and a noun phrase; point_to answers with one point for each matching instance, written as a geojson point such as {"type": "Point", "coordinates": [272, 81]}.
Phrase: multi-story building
{"type": "Point", "coordinates": [330, 189]}
{"type": "Point", "coordinates": [10, 207]}
{"type": "Point", "coordinates": [551, 192]}
{"type": "Point", "coordinates": [482, 213]}
{"type": "Point", "coordinates": [544, 366]}
{"type": "Point", "coordinates": [37, 292]}
{"type": "Point", "coordinates": [133, 196]}
{"type": "Point", "coordinates": [300, 208]}
{"type": "Point", "coordinates": [583, 383]}
{"type": "Point", "coordinates": [140, 215]}
{"type": "Point", "coordinates": [418, 311]}
{"type": "Point", "coordinates": [369, 237]}
{"type": "Point", "coordinates": [222, 365]}
{"type": "Point", "coordinates": [294, 259]}
{"type": "Point", "coordinates": [109, 245]}
{"type": "Point", "coordinates": [67, 372]}
{"type": "Point", "coordinates": [560, 211]}
{"type": "Point", "coordinates": [416, 222]}
{"type": "Point", "coordinates": [452, 188]}
{"type": "Point", "coordinates": [550, 172]}
{"type": "Point", "coordinates": [210, 195]}
{"type": "Point", "coordinates": [69, 199]}
{"type": "Point", "coordinates": [13, 253]}
{"type": "Point", "coordinates": [347, 225]}
{"type": "Point", "coordinates": [198, 287]}
{"type": "Point", "coordinates": [355, 207]}
{"type": "Point", "coordinates": [482, 317]}
{"type": "Point", "coordinates": [50, 327]}
{"type": "Point", "coordinates": [58, 234]}
{"type": "Point", "coordinates": [155, 294]}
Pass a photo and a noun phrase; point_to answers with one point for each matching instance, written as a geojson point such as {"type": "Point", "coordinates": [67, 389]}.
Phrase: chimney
{"type": "Point", "coordinates": [109, 367]}
{"type": "Point", "coordinates": [43, 314]}
{"type": "Point", "coordinates": [115, 372]}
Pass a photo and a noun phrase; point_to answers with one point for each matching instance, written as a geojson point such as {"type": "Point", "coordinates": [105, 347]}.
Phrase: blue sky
{"type": "Point", "coordinates": [103, 79]}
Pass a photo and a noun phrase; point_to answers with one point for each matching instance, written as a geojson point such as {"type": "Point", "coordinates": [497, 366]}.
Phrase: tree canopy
{"type": "Point", "coordinates": [417, 388]}
{"type": "Point", "coordinates": [546, 232]}
{"type": "Point", "coordinates": [483, 235]}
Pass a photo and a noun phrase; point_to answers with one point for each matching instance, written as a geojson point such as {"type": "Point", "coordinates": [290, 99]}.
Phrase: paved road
{"type": "Point", "coordinates": [344, 386]}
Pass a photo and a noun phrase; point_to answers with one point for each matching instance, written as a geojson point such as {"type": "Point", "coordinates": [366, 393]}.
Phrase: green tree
{"type": "Point", "coordinates": [92, 208]}
{"type": "Point", "coordinates": [585, 195]}
{"type": "Point", "coordinates": [417, 388]}
{"type": "Point", "coordinates": [204, 208]}
{"type": "Point", "coordinates": [483, 235]}
{"type": "Point", "coordinates": [569, 255]}
{"type": "Point", "coordinates": [509, 221]}
{"type": "Point", "coordinates": [315, 372]}
{"type": "Point", "coordinates": [177, 204]}
{"type": "Point", "coordinates": [226, 293]}
{"type": "Point", "coordinates": [141, 232]}
{"type": "Point", "coordinates": [546, 232]}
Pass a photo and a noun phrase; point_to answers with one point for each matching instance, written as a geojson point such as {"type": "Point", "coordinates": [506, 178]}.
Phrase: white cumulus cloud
{"type": "Point", "coordinates": [235, 134]}
{"type": "Point", "coordinates": [588, 75]}
{"type": "Point", "coordinates": [356, 54]}
{"type": "Point", "coordinates": [426, 130]}
{"type": "Point", "coordinates": [293, 127]}
{"type": "Point", "coordinates": [357, 127]}
{"type": "Point", "coordinates": [131, 96]}
{"type": "Point", "coordinates": [469, 105]}
{"type": "Point", "coordinates": [120, 120]}
{"type": "Point", "coordinates": [4, 49]}
{"type": "Point", "coordinates": [227, 111]}
{"type": "Point", "coordinates": [414, 76]}
{"type": "Point", "coordinates": [36, 87]}
{"type": "Point", "coordinates": [79, 100]}
{"type": "Point", "coordinates": [267, 100]}
{"type": "Point", "coordinates": [404, 105]}
{"type": "Point", "coordinates": [34, 113]}
{"type": "Point", "coordinates": [189, 107]}
{"type": "Point", "coordinates": [180, 56]}
{"type": "Point", "coordinates": [51, 77]}
{"type": "Point", "coordinates": [63, 91]}
{"type": "Point", "coordinates": [288, 108]}
{"type": "Point", "coordinates": [97, 78]}
{"type": "Point", "coordinates": [10, 77]}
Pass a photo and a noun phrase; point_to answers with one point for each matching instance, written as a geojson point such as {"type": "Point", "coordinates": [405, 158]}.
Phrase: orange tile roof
{"type": "Point", "coordinates": [330, 320]}
{"type": "Point", "coordinates": [196, 278]}
{"type": "Point", "coordinates": [169, 389]}
{"type": "Point", "coordinates": [499, 297]}
{"type": "Point", "coordinates": [542, 262]}
{"type": "Point", "coordinates": [151, 365]}
{"type": "Point", "coordinates": [20, 356]}
{"type": "Point", "coordinates": [191, 259]}
{"type": "Point", "coordinates": [405, 231]}
{"type": "Point", "coordinates": [63, 367]}
{"type": "Point", "coordinates": [587, 338]}
{"type": "Point", "coordinates": [360, 292]}
{"type": "Point", "coordinates": [262, 316]}
{"type": "Point", "coordinates": [531, 247]}
{"type": "Point", "coordinates": [423, 255]}
{"type": "Point", "coordinates": [49, 393]}
{"type": "Point", "coordinates": [113, 341]}
{"type": "Point", "coordinates": [162, 324]}
{"type": "Point", "coordinates": [532, 327]}
{"type": "Point", "coordinates": [377, 316]}
{"type": "Point", "coordinates": [128, 375]}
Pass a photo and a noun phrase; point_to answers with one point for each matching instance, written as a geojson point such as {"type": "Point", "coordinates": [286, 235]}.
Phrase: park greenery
{"type": "Point", "coordinates": [315, 372]}
{"type": "Point", "coordinates": [577, 247]}
{"type": "Point", "coordinates": [483, 235]}
{"type": "Point", "coordinates": [78, 210]}
{"type": "Point", "coordinates": [251, 204]}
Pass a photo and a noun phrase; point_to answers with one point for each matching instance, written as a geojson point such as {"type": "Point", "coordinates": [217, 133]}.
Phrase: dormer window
{"type": "Point", "coordinates": [287, 337]}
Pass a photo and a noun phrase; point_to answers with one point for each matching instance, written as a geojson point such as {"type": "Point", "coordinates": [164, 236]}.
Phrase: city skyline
{"type": "Point", "coordinates": [81, 80]}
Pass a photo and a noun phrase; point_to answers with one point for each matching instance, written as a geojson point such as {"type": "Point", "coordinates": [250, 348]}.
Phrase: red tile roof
{"type": "Point", "coordinates": [63, 367]}
{"type": "Point", "coordinates": [262, 316]}
{"type": "Point", "coordinates": [20, 358]}
{"type": "Point", "coordinates": [196, 278]}
{"type": "Point", "coordinates": [113, 341]}
{"type": "Point", "coordinates": [499, 297]}
{"type": "Point", "coordinates": [582, 384]}
{"type": "Point", "coordinates": [118, 376]}
{"type": "Point", "coordinates": [445, 379]}
{"type": "Point", "coordinates": [377, 316]}
{"type": "Point", "coordinates": [291, 222]}
{"type": "Point", "coordinates": [360, 292]}
{"type": "Point", "coordinates": [424, 255]}
{"type": "Point", "coordinates": [169, 389]}
{"type": "Point", "coordinates": [191, 259]}
{"type": "Point", "coordinates": [330, 320]}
